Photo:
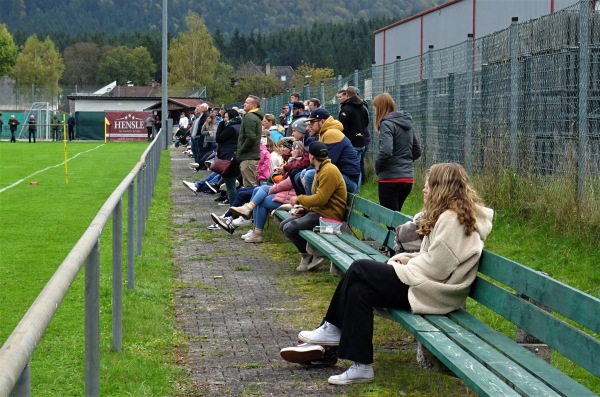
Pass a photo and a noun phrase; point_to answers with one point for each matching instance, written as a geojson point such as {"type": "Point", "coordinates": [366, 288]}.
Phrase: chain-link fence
{"type": "Point", "coordinates": [517, 102]}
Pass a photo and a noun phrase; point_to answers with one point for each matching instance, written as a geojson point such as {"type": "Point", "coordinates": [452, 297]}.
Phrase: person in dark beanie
{"type": "Point", "coordinates": [328, 200]}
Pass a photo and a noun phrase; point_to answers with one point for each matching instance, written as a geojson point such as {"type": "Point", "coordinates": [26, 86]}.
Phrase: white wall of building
{"type": "Point", "coordinates": [448, 25]}
{"type": "Point", "coordinates": [101, 105]}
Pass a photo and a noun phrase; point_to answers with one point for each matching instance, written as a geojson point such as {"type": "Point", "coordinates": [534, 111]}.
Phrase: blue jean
{"type": "Point", "coordinates": [309, 175]}
{"type": "Point", "coordinates": [360, 152]}
{"type": "Point", "coordinates": [261, 211]}
{"type": "Point", "coordinates": [242, 196]}
{"type": "Point", "coordinates": [211, 178]}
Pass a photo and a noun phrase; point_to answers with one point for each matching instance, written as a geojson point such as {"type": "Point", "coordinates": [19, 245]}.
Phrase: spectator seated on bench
{"type": "Point", "coordinates": [437, 280]}
{"type": "Point", "coordinates": [328, 200]}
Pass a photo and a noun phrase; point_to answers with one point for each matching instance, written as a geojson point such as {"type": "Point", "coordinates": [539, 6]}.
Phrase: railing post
{"type": "Point", "coordinates": [430, 106]}
{"type": "Point", "coordinates": [322, 94]}
{"type": "Point", "coordinates": [140, 210]}
{"type": "Point", "coordinates": [398, 82]}
{"type": "Point", "coordinates": [130, 236]}
{"type": "Point", "coordinates": [23, 386]}
{"type": "Point", "coordinates": [92, 323]}
{"type": "Point", "coordinates": [514, 93]}
{"type": "Point", "coordinates": [117, 277]}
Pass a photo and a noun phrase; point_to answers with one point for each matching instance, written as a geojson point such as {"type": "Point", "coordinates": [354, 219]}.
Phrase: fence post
{"type": "Point", "coordinates": [397, 82]}
{"type": "Point", "coordinates": [469, 60]}
{"type": "Point", "coordinates": [130, 236]}
{"type": "Point", "coordinates": [322, 93]}
{"type": "Point", "coordinates": [514, 92]}
{"type": "Point", "coordinates": [117, 275]}
{"type": "Point", "coordinates": [584, 81]}
{"type": "Point", "coordinates": [92, 323]}
{"type": "Point", "coordinates": [356, 77]}
{"type": "Point", "coordinates": [430, 105]}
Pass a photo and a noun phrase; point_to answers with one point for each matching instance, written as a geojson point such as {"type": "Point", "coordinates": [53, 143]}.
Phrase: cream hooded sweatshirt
{"type": "Point", "coordinates": [440, 275]}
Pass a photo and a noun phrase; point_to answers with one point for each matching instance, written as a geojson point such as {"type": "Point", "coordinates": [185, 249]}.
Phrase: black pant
{"type": "Point", "coordinates": [298, 189]}
{"type": "Point", "coordinates": [149, 133]}
{"type": "Point", "coordinates": [31, 134]}
{"type": "Point", "coordinates": [366, 284]}
{"type": "Point", "coordinates": [71, 130]}
{"type": "Point", "coordinates": [393, 195]}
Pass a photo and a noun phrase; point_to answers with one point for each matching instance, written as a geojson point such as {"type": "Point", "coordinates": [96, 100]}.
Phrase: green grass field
{"type": "Point", "coordinates": [40, 223]}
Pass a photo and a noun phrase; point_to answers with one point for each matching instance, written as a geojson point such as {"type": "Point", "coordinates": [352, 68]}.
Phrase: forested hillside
{"type": "Point", "coordinates": [24, 17]}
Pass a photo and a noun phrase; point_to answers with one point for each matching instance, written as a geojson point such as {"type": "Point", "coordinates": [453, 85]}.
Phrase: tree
{"type": "Point", "coordinates": [309, 73]}
{"type": "Point", "coordinates": [39, 64]}
{"type": "Point", "coordinates": [81, 63]}
{"type": "Point", "coordinates": [8, 51]}
{"type": "Point", "coordinates": [123, 64]}
{"type": "Point", "coordinates": [260, 85]}
{"type": "Point", "coordinates": [193, 57]}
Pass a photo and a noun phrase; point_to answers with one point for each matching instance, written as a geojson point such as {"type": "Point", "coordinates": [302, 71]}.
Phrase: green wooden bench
{"type": "Point", "coordinates": [486, 360]}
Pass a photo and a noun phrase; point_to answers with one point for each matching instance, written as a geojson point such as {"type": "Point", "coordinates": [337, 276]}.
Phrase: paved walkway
{"type": "Point", "coordinates": [230, 306]}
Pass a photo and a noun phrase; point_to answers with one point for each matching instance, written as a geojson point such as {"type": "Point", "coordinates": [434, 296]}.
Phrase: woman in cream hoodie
{"type": "Point", "coordinates": [435, 280]}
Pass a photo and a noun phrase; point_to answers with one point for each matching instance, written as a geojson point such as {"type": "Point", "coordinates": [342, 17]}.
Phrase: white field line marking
{"type": "Point", "coordinates": [46, 169]}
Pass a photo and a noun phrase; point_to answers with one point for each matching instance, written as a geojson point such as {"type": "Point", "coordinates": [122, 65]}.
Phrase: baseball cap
{"type": "Point", "coordinates": [298, 105]}
{"type": "Point", "coordinates": [318, 149]}
{"type": "Point", "coordinates": [318, 114]}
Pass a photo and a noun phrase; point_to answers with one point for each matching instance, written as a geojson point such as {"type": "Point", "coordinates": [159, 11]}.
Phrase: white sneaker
{"type": "Point", "coordinates": [305, 259]}
{"type": "Point", "coordinates": [247, 234]}
{"type": "Point", "coordinates": [254, 238]}
{"type": "Point", "coordinates": [191, 186]}
{"type": "Point", "coordinates": [240, 221]}
{"type": "Point", "coordinates": [193, 166]}
{"type": "Point", "coordinates": [327, 334]}
{"type": "Point", "coordinates": [214, 226]}
{"type": "Point", "coordinates": [357, 373]}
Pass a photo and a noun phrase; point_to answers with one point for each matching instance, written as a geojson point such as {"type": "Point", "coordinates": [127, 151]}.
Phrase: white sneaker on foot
{"type": "Point", "coordinates": [304, 261]}
{"type": "Point", "coordinates": [254, 238]}
{"type": "Point", "coordinates": [240, 221]}
{"type": "Point", "coordinates": [327, 334]}
{"type": "Point", "coordinates": [247, 234]}
{"type": "Point", "coordinates": [191, 186]}
{"type": "Point", "coordinates": [357, 373]}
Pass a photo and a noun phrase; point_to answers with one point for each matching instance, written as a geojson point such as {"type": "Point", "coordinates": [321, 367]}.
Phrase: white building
{"type": "Point", "coordinates": [449, 24]}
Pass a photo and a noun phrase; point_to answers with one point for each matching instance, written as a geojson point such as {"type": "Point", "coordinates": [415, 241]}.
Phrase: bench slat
{"type": "Point", "coordinates": [372, 229]}
{"type": "Point", "coordinates": [377, 212]}
{"type": "Point", "coordinates": [548, 373]}
{"type": "Point", "coordinates": [560, 297]}
{"type": "Point", "coordinates": [472, 372]}
{"type": "Point", "coordinates": [340, 259]}
{"type": "Point", "coordinates": [564, 338]}
{"type": "Point", "coordinates": [510, 371]}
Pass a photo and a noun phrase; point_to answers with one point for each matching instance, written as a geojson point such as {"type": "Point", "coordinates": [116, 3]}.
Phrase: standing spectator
{"type": "Point", "coordinates": [209, 129]}
{"type": "Point", "coordinates": [328, 200]}
{"type": "Point", "coordinates": [354, 116]}
{"type": "Point", "coordinates": [157, 123]}
{"type": "Point", "coordinates": [298, 112]}
{"type": "Point", "coordinates": [398, 149]}
{"type": "Point", "coordinates": [313, 103]}
{"type": "Point", "coordinates": [13, 123]}
{"type": "Point", "coordinates": [32, 128]}
{"type": "Point", "coordinates": [196, 137]}
{"type": "Point", "coordinates": [283, 116]}
{"type": "Point", "coordinates": [149, 127]}
{"type": "Point", "coordinates": [328, 130]}
{"type": "Point", "coordinates": [1, 125]}
{"type": "Point", "coordinates": [55, 124]}
{"type": "Point", "coordinates": [294, 97]}
{"type": "Point", "coordinates": [227, 141]}
{"type": "Point", "coordinates": [71, 126]}
{"type": "Point", "coordinates": [248, 147]}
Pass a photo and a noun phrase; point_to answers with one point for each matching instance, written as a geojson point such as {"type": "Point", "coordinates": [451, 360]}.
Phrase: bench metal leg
{"type": "Point", "coordinates": [529, 341]}
{"type": "Point", "coordinates": [428, 361]}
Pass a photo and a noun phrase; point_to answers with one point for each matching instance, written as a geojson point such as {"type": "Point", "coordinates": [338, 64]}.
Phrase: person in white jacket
{"type": "Point", "coordinates": [436, 280]}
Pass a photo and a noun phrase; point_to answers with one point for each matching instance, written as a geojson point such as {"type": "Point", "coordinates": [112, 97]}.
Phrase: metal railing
{"type": "Point", "coordinates": [15, 354]}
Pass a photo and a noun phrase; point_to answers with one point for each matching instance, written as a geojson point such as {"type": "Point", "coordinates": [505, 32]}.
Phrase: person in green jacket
{"type": "Point", "coordinates": [248, 147]}
{"type": "Point", "coordinates": [55, 123]}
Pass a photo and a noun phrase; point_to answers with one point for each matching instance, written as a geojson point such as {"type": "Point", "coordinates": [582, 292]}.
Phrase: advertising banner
{"type": "Point", "coordinates": [126, 126]}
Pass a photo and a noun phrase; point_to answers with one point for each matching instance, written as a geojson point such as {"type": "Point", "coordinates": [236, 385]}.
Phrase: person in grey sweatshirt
{"type": "Point", "coordinates": [398, 149]}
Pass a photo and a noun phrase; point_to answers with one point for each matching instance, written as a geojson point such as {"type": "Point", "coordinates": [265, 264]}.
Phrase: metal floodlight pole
{"type": "Point", "coordinates": [164, 107]}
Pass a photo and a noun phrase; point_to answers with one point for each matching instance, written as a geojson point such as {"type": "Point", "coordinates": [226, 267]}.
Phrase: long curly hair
{"type": "Point", "coordinates": [450, 189]}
